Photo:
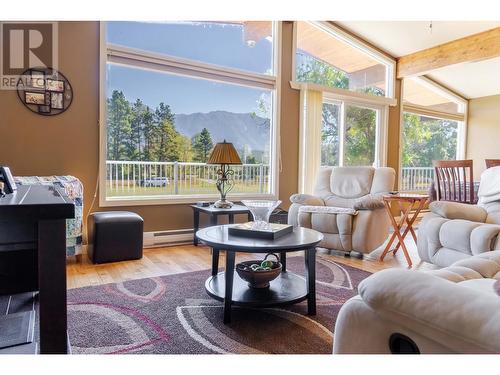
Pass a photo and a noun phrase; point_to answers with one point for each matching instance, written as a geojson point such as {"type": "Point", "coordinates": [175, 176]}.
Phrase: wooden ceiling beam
{"type": "Point", "coordinates": [477, 47]}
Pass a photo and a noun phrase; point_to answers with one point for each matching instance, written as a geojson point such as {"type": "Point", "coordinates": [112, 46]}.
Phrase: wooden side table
{"type": "Point", "coordinates": [213, 213]}
{"type": "Point", "coordinates": [415, 203]}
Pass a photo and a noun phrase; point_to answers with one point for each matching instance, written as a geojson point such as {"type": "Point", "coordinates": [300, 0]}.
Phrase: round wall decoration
{"type": "Point", "coordinates": [45, 91]}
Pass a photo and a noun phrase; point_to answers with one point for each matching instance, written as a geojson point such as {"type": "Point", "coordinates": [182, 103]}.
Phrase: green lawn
{"type": "Point", "coordinates": [199, 187]}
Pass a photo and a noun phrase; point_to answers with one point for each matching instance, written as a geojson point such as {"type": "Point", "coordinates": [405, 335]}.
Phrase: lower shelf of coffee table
{"type": "Point", "coordinates": [286, 289]}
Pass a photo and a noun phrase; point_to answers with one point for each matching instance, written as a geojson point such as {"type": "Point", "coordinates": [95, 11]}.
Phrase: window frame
{"type": "Point", "coordinates": [379, 103]}
{"type": "Point", "coordinates": [140, 59]}
{"type": "Point", "coordinates": [357, 43]}
{"type": "Point", "coordinates": [460, 117]}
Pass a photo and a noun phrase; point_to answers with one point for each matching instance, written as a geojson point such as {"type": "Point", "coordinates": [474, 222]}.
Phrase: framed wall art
{"type": "Point", "coordinates": [45, 91]}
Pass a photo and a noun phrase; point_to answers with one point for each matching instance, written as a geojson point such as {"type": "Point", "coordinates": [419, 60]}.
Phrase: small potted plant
{"type": "Point", "coordinates": [258, 273]}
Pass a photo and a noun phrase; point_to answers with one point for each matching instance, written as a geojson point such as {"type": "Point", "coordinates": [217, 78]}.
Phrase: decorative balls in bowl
{"type": "Point", "coordinates": [259, 273]}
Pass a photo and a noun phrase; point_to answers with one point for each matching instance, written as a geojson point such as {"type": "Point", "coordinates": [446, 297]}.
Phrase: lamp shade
{"type": "Point", "coordinates": [224, 153]}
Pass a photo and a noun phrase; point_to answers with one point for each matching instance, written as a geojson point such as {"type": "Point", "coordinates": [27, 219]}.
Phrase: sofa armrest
{"type": "Point", "coordinates": [307, 199]}
{"type": "Point", "coordinates": [458, 317]}
{"type": "Point", "coordinates": [368, 202]}
{"type": "Point", "coordinates": [455, 210]}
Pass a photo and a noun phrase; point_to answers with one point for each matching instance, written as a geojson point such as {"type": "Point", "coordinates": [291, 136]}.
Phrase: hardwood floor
{"type": "Point", "coordinates": [186, 258]}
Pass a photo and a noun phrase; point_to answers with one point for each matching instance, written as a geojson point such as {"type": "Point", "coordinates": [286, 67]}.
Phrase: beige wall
{"type": "Point", "coordinates": [289, 121]}
{"type": "Point", "coordinates": [65, 144]}
{"type": "Point", "coordinates": [483, 131]}
{"type": "Point", "coordinates": [68, 143]}
{"type": "Point", "coordinates": [394, 132]}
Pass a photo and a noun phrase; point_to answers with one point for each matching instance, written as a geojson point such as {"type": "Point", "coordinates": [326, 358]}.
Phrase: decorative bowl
{"type": "Point", "coordinates": [258, 279]}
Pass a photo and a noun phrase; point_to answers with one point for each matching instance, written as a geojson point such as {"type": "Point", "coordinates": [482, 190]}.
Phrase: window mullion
{"type": "Point", "coordinates": [342, 133]}
{"type": "Point", "coordinates": [379, 138]}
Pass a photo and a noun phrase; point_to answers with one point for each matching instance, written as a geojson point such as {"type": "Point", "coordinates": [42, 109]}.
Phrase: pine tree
{"type": "Point", "coordinates": [165, 134]}
{"type": "Point", "coordinates": [136, 124]}
{"type": "Point", "coordinates": [119, 129]}
{"type": "Point", "coordinates": [168, 143]}
{"type": "Point", "coordinates": [148, 129]}
{"type": "Point", "coordinates": [202, 145]}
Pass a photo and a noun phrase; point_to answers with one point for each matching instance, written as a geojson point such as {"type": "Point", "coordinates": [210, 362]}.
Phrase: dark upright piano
{"type": "Point", "coordinates": [33, 230]}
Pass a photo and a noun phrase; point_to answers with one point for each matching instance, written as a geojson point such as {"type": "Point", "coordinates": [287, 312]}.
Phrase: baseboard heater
{"type": "Point", "coordinates": [168, 237]}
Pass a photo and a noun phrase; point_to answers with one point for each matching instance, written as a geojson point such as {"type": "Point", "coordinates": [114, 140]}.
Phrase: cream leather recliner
{"type": "Point", "coordinates": [346, 207]}
{"type": "Point", "coordinates": [452, 310]}
{"type": "Point", "coordinates": [454, 231]}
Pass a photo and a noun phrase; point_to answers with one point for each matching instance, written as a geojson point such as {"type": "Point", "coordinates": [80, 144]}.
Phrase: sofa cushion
{"type": "Point", "coordinates": [456, 274]}
{"type": "Point", "coordinates": [487, 268]}
{"type": "Point", "coordinates": [455, 210]}
{"type": "Point", "coordinates": [445, 256]}
{"type": "Point", "coordinates": [456, 235]}
{"type": "Point", "coordinates": [469, 237]}
{"type": "Point", "coordinates": [351, 182]}
{"type": "Point", "coordinates": [383, 180]}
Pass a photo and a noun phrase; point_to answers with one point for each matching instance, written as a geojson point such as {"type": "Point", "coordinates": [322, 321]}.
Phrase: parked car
{"type": "Point", "coordinates": [154, 182]}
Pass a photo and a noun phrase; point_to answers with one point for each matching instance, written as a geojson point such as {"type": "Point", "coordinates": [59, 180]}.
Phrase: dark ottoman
{"type": "Point", "coordinates": [115, 236]}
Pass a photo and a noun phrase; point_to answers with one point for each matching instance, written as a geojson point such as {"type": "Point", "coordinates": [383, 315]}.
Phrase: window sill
{"type": "Point", "coordinates": [169, 200]}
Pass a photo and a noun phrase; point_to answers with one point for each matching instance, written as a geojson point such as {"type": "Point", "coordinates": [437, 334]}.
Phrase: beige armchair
{"type": "Point", "coordinates": [346, 207]}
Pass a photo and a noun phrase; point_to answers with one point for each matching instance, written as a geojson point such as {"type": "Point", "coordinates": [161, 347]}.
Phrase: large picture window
{"type": "Point", "coordinates": [168, 100]}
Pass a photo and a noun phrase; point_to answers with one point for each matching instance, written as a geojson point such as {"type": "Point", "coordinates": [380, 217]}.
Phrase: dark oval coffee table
{"type": "Point", "coordinates": [288, 288]}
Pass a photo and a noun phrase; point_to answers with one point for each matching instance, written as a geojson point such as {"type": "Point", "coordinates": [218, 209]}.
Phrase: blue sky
{"type": "Point", "coordinates": [209, 43]}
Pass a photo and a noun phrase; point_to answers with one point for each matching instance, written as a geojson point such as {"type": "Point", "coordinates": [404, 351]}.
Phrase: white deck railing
{"type": "Point", "coordinates": [416, 178]}
{"type": "Point", "coordinates": [178, 178]}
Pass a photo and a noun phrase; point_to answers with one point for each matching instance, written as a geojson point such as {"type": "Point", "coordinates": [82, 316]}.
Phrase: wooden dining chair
{"type": "Point", "coordinates": [490, 163]}
{"type": "Point", "coordinates": [454, 180]}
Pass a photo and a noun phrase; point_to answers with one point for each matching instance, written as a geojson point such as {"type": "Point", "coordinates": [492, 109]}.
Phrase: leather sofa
{"type": "Point", "coordinates": [346, 206]}
{"type": "Point", "coordinates": [452, 310]}
{"type": "Point", "coordinates": [454, 231]}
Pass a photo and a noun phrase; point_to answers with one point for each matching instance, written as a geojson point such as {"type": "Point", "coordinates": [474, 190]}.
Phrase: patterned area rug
{"type": "Point", "coordinates": [173, 314]}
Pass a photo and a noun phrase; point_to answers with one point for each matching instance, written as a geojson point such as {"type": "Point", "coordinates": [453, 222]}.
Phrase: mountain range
{"type": "Point", "coordinates": [239, 128]}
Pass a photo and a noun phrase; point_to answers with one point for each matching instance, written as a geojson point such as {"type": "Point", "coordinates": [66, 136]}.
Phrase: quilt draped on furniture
{"type": "Point", "coordinates": [74, 190]}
